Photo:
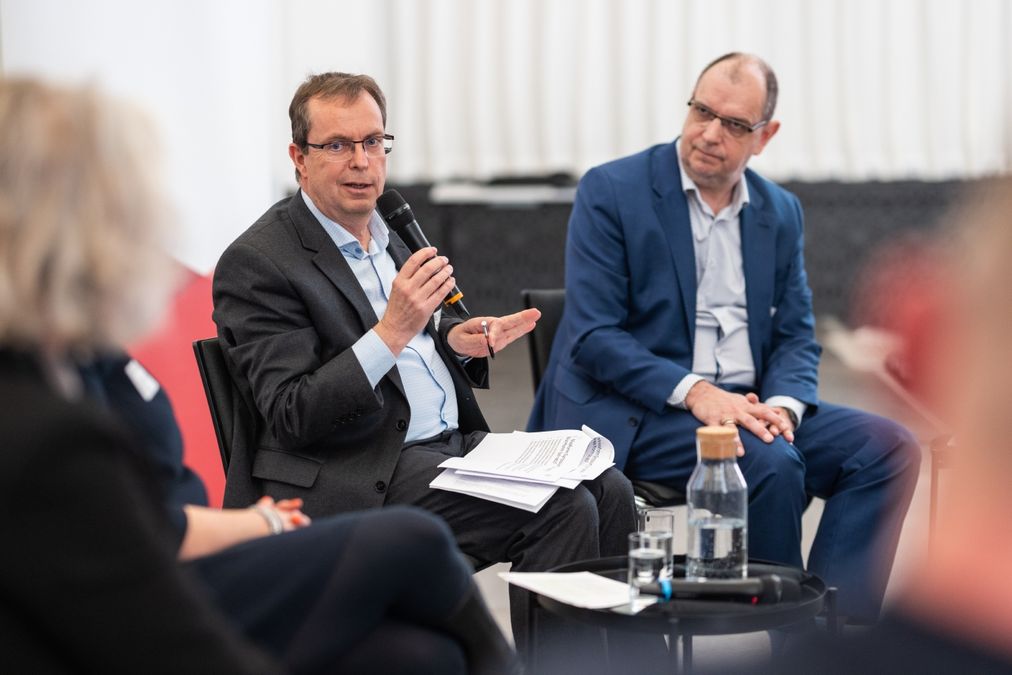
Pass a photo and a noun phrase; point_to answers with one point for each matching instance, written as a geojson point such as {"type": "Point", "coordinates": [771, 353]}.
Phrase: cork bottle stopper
{"type": "Point", "coordinates": [717, 442]}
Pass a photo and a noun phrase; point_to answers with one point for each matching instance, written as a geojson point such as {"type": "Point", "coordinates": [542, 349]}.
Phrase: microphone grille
{"type": "Point", "coordinates": [389, 202]}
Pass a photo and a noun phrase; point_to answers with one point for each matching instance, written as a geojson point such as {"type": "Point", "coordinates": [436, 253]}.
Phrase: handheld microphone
{"type": "Point", "coordinates": [399, 217]}
{"type": "Point", "coordinates": [764, 589]}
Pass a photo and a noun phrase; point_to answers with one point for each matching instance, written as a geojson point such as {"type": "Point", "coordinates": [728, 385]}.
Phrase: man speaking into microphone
{"type": "Point", "coordinates": [360, 375]}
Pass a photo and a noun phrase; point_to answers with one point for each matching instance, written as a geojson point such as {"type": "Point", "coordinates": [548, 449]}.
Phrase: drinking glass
{"type": "Point", "coordinates": [660, 521]}
{"type": "Point", "coordinates": [648, 552]}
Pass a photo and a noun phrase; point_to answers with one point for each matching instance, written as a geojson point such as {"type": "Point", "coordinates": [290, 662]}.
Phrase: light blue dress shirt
{"type": "Point", "coordinates": [426, 379]}
{"type": "Point", "coordinates": [721, 353]}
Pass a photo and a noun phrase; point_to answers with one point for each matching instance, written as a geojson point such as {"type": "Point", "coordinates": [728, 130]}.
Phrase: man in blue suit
{"type": "Point", "coordinates": [687, 304]}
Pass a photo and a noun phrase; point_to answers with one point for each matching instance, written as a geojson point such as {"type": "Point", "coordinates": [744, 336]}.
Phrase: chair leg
{"type": "Point", "coordinates": [832, 618]}
{"type": "Point", "coordinates": [673, 640]}
{"type": "Point", "coordinates": [532, 633]}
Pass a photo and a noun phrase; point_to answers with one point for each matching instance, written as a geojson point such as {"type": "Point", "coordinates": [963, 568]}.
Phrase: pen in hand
{"type": "Point", "coordinates": [488, 342]}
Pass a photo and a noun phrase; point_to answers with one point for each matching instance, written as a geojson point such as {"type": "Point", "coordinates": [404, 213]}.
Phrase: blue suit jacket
{"type": "Point", "coordinates": [626, 336]}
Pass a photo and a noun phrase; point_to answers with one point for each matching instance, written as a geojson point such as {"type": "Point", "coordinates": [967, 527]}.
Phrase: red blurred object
{"type": "Point", "coordinates": [899, 290]}
{"type": "Point", "coordinates": [167, 353]}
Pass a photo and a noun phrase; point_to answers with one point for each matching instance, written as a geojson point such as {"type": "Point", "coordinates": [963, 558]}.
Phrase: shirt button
{"type": "Point", "coordinates": [401, 425]}
{"type": "Point", "coordinates": [633, 422]}
{"type": "Point", "coordinates": [381, 486]}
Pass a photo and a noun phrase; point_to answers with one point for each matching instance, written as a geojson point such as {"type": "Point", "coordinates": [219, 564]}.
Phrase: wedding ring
{"type": "Point", "coordinates": [728, 420]}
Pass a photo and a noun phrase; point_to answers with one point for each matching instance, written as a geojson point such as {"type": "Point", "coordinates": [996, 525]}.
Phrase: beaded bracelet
{"type": "Point", "coordinates": [274, 521]}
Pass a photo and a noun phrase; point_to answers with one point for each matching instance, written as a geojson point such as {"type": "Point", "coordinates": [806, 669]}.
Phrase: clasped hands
{"type": "Point", "coordinates": [288, 510]}
{"type": "Point", "coordinates": [711, 405]}
{"type": "Point", "coordinates": [419, 288]}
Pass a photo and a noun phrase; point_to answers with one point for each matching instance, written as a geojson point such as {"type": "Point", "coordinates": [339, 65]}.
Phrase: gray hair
{"type": "Point", "coordinates": [83, 262]}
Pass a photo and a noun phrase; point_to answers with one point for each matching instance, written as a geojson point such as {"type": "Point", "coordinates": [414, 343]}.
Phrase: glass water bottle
{"type": "Point", "coordinates": [718, 509]}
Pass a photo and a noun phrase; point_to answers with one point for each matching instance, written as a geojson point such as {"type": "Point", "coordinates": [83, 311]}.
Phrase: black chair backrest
{"type": "Point", "coordinates": [228, 411]}
{"type": "Point", "coordinates": [551, 302]}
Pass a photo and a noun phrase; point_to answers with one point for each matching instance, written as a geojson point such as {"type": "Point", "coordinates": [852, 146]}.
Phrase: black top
{"type": "Point", "coordinates": [89, 580]}
{"type": "Point", "coordinates": [897, 644]}
{"type": "Point", "coordinates": [152, 424]}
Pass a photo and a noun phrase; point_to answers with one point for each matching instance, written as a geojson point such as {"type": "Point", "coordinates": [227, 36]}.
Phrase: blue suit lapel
{"type": "Point", "coordinates": [758, 252]}
{"type": "Point", "coordinates": [672, 211]}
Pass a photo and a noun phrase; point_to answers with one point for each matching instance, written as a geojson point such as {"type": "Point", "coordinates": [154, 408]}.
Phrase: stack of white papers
{"type": "Point", "coordinates": [523, 469]}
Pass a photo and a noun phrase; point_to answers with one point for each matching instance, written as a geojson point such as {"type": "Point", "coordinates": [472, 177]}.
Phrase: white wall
{"type": "Point", "coordinates": [871, 89]}
{"type": "Point", "coordinates": [207, 72]}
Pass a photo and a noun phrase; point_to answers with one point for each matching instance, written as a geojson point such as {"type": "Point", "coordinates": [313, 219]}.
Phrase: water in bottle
{"type": "Point", "coordinates": [718, 509]}
{"type": "Point", "coordinates": [717, 548]}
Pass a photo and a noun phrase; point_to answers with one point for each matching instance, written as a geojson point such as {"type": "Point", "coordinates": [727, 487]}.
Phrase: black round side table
{"type": "Point", "coordinates": [684, 618]}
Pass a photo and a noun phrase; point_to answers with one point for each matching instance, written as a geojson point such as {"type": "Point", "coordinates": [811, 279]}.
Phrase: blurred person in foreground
{"type": "Point", "coordinates": [91, 579]}
{"type": "Point", "coordinates": [952, 309]}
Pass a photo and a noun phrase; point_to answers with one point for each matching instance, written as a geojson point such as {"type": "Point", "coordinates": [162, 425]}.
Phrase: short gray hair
{"type": "Point", "coordinates": [83, 262]}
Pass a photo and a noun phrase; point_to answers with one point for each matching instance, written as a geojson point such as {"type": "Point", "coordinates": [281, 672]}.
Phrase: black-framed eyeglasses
{"type": "Point", "coordinates": [343, 149]}
{"type": "Point", "coordinates": [734, 126]}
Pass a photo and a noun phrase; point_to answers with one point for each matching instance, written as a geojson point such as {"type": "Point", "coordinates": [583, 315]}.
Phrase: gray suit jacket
{"type": "Point", "coordinates": [288, 310]}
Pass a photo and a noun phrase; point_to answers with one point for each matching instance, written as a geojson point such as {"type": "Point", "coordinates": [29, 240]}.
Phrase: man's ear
{"type": "Point", "coordinates": [765, 134]}
{"type": "Point", "coordinates": [298, 159]}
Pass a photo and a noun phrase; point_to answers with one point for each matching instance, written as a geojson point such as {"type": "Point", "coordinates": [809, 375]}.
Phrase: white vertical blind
{"type": "Point", "coordinates": [558, 107]}
{"type": "Point", "coordinates": [870, 89]}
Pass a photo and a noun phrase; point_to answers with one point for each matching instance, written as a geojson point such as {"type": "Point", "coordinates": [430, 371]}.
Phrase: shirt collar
{"type": "Point", "coordinates": [739, 195]}
{"type": "Point", "coordinates": [345, 240]}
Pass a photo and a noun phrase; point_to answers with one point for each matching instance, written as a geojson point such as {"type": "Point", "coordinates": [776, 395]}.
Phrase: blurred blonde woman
{"type": "Point", "coordinates": [90, 579]}
{"type": "Point", "coordinates": [82, 222]}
